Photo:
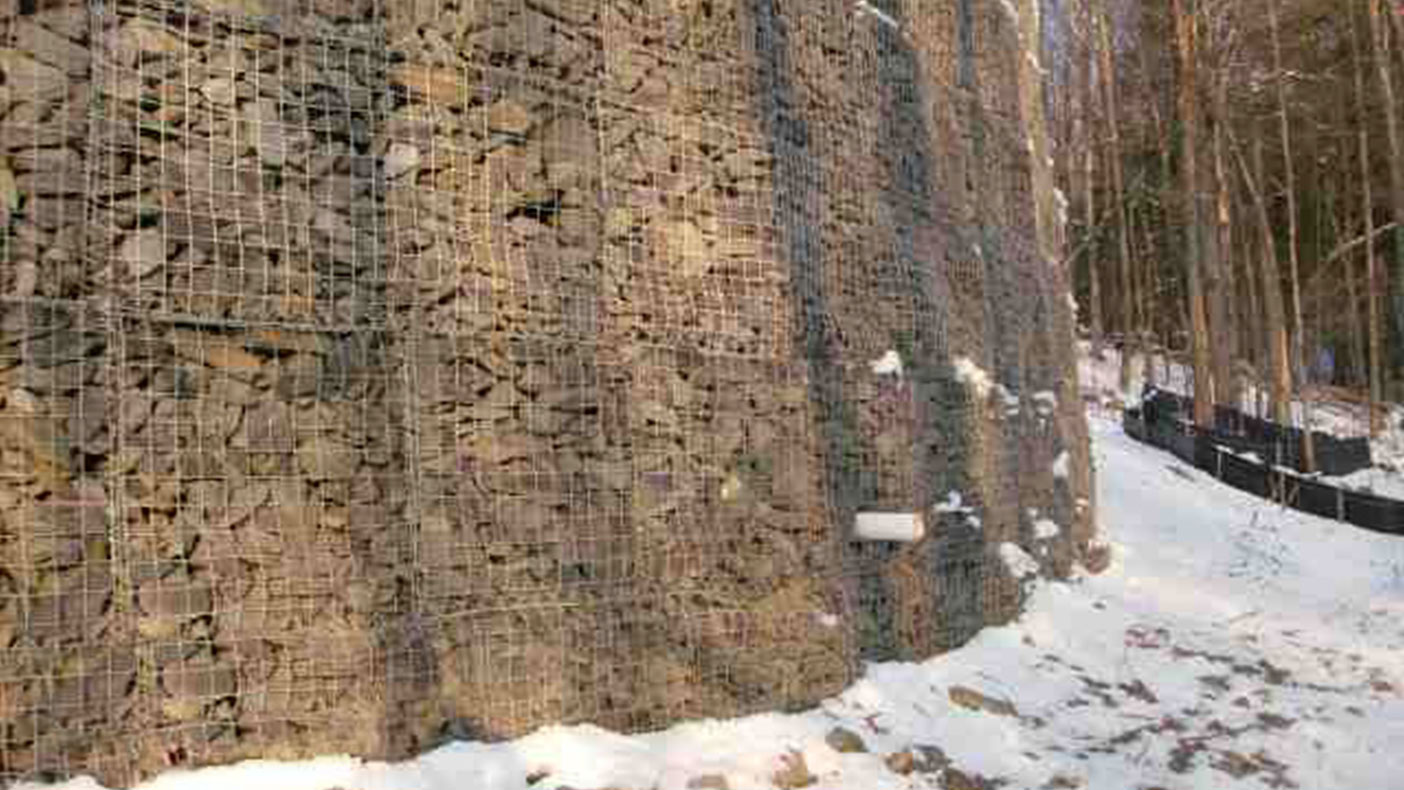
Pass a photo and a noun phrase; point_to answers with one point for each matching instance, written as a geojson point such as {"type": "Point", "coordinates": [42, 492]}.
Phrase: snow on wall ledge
{"type": "Point", "coordinates": [376, 374]}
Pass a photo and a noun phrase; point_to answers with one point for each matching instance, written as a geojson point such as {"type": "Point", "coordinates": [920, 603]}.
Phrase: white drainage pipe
{"type": "Point", "coordinates": [895, 527]}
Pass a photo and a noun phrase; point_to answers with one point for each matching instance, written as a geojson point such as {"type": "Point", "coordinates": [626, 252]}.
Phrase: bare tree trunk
{"type": "Point", "coordinates": [1218, 275]}
{"type": "Point", "coordinates": [1138, 311]}
{"type": "Point", "coordinates": [1372, 285]}
{"type": "Point", "coordinates": [1119, 196]}
{"type": "Point", "coordinates": [1255, 327]}
{"type": "Point", "coordinates": [1380, 39]}
{"type": "Point", "coordinates": [1308, 445]}
{"type": "Point", "coordinates": [1280, 370]}
{"type": "Point", "coordinates": [1087, 126]}
{"type": "Point", "coordinates": [1397, 19]}
{"type": "Point", "coordinates": [1141, 307]}
{"type": "Point", "coordinates": [1167, 180]}
{"type": "Point", "coordinates": [1185, 24]}
{"type": "Point", "coordinates": [1314, 326]}
{"type": "Point", "coordinates": [1149, 290]}
{"type": "Point", "coordinates": [1066, 102]}
{"type": "Point", "coordinates": [1355, 327]}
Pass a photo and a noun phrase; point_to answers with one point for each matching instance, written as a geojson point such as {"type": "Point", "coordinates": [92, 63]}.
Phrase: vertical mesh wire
{"type": "Point", "coordinates": [377, 373]}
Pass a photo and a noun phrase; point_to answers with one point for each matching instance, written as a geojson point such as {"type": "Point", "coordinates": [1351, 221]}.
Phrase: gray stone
{"type": "Point", "coordinates": [52, 171]}
{"type": "Point", "coordinates": [336, 225]}
{"type": "Point", "coordinates": [222, 91]}
{"type": "Point", "coordinates": [143, 252]}
{"type": "Point", "coordinates": [56, 550]}
{"type": "Point", "coordinates": [323, 458]}
{"type": "Point", "coordinates": [176, 598]}
{"type": "Point", "coordinates": [66, 183]}
{"type": "Point", "coordinates": [87, 421]}
{"type": "Point", "coordinates": [253, 8]}
{"type": "Point", "coordinates": [506, 448]}
{"type": "Point", "coordinates": [498, 404]}
{"type": "Point", "coordinates": [267, 127]}
{"type": "Point", "coordinates": [50, 48]}
{"type": "Point", "coordinates": [400, 159]}
{"type": "Point", "coordinates": [509, 117]}
{"type": "Point", "coordinates": [203, 679]}
{"type": "Point", "coordinates": [268, 427]}
{"type": "Point", "coordinates": [27, 78]}
{"type": "Point", "coordinates": [299, 378]}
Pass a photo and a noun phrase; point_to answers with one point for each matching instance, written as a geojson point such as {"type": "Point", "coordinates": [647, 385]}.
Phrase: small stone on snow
{"type": "Point", "coordinates": [970, 699]}
{"type": "Point", "coordinates": [794, 772]}
{"type": "Point", "coordinates": [901, 763]}
{"type": "Point", "coordinates": [845, 741]}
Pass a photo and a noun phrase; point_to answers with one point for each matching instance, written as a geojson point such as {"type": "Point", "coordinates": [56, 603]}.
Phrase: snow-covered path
{"type": "Point", "coordinates": [1230, 644]}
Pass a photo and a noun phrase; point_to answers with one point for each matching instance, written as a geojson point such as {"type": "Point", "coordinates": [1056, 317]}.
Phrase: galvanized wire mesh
{"type": "Point", "coordinates": [376, 373]}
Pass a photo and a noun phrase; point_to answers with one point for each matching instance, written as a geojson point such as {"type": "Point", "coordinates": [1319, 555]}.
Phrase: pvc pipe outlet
{"type": "Point", "coordinates": [896, 527]}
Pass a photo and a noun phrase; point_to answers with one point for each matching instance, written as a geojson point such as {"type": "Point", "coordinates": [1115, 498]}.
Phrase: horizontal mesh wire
{"type": "Point", "coordinates": [374, 374]}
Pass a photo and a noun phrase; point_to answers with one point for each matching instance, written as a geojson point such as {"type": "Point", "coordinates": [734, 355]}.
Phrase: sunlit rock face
{"type": "Point", "coordinates": [374, 374]}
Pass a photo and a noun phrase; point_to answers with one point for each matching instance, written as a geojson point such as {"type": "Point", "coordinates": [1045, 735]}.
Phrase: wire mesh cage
{"type": "Point", "coordinates": [379, 373]}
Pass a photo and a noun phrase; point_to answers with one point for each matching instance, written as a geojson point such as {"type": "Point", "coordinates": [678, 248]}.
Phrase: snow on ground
{"type": "Point", "coordinates": [1100, 382]}
{"type": "Point", "coordinates": [1100, 378]}
{"type": "Point", "coordinates": [1230, 644]}
{"type": "Point", "coordinates": [1381, 482]}
{"type": "Point", "coordinates": [973, 376]}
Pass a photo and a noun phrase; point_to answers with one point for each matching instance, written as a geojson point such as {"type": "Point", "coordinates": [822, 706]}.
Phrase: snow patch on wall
{"type": "Point", "coordinates": [1018, 561]}
{"type": "Point", "coordinates": [889, 364]}
{"type": "Point", "coordinates": [1009, 399]}
{"type": "Point", "coordinates": [878, 14]}
{"type": "Point", "coordinates": [973, 376]}
{"type": "Point", "coordinates": [1010, 10]}
{"type": "Point", "coordinates": [954, 504]}
{"type": "Point", "coordinates": [1045, 529]}
{"type": "Point", "coordinates": [1045, 401]}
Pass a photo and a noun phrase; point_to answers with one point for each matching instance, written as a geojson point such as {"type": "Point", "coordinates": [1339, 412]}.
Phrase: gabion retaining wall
{"type": "Point", "coordinates": [379, 373]}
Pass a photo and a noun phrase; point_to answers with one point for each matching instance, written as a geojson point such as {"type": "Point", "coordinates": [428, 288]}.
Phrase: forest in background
{"type": "Point", "coordinates": [1234, 187]}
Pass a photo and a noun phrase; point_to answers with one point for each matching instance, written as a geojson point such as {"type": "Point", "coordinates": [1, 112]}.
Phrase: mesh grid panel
{"type": "Point", "coordinates": [374, 374]}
